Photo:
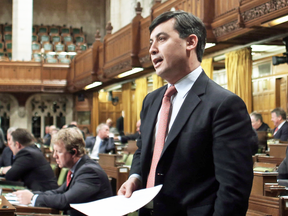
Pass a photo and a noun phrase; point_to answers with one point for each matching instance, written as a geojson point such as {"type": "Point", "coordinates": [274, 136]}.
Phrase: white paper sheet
{"type": "Point", "coordinates": [118, 205]}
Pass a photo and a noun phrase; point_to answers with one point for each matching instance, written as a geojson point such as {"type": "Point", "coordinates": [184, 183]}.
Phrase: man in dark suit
{"type": "Point", "coordinates": [102, 143]}
{"type": "Point", "coordinates": [30, 165]}
{"type": "Point", "coordinates": [7, 155]}
{"type": "Point", "coordinates": [86, 180]}
{"type": "Point", "coordinates": [278, 116]}
{"type": "Point", "coordinates": [135, 136]}
{"type": "Point", "coordinates": [257, 122]}
{"type": "Point", "coordinates": [120, 124]}
{"type": "Point", "coordinates": [205, 165]}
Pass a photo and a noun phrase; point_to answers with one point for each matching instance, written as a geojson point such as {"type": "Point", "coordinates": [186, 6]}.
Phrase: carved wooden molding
{"type": "Point", "coordinates": [17, 88]}
{"type": "Point", "coordinates": [263, 9]}
{"type": "Point", "coordinates": [225, 29]}
{"type": "Point", "coordinates": [123, 66]}
{"type": "Point", "coordinates": [145, 59]}
{"type": "Point", "coordinates": [249, 15]}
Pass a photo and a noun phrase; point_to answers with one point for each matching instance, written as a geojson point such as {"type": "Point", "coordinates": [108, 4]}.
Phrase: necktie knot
{"type": "Point", "coordinates": [170, 91]}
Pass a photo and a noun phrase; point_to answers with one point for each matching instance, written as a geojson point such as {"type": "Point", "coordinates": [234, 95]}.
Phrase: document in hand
{"type": "Point", "coordinates": [118, 205]}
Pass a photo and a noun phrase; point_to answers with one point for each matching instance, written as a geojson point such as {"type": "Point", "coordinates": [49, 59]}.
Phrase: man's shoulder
{"type": "Point", "coordinates": [90, 138]}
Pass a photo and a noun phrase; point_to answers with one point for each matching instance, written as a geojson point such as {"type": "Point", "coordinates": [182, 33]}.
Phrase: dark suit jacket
{"type": "Point", "coordinates": [206, 163]}
{"type": "Point", "coordinates": [89, 183]}
{"type": "Point", "coordinates": [6, 157]}
{"type": "Point", "coordinates": [31, 167]}
{"type": "Point", "coordinates": [124, 139]}
{"type": "Point", "coordinates": [282, 133]}
{"type": "Point", "coordinates": [263, 127]}
{"type": "Point", "coordinates": [106, 146]}
{"type": "Point", "coordinates": [120, 125]}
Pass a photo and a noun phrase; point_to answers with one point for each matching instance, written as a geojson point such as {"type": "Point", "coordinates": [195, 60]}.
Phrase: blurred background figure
{"type": "Point", "coordinates": [257, 122]}
{"type": "Point", "coordinates": [47, 140]}
{"type": "Point", "coordinates": [278, 117]}
{"type": "Point", "coordinates": [2, 141]}
{"type": "Point", "coordinates": [120, 124]}
{"type": "Point", "coordinates": [135, 136]}
{"type": "Point", "coordinates": [112, 129]}
{"type": "Point", "coordinates": [7, 154]}
{"type": "Point", "coordinates": [102, 143]}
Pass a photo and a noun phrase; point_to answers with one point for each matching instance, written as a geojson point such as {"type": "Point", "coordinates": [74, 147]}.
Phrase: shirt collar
{"type": "Point", "coordinates": [186, 83]}
{"type": "Point", "coordinates": [74, 167]}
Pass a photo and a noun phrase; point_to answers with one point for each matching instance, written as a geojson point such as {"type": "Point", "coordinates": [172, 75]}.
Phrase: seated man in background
{"type": "Point", "coordinates": [7, 155]}
{"type": "Point", "coordinates": [278, 116]}
{"type": "Point", "coordinates": [86, 181]}
{"type": "Point", "coordinates": [102, 143]}
{"type": "Point", "coordinates": [30, 165]}
{"type": "Point", "coordinates": [257, 122]}
{"type": "Point", "coordinates": [135, 136]}
{"type": "Point", "coordinates": [47, 139]}
{"type": "Point", "coordinates": [112, 129]}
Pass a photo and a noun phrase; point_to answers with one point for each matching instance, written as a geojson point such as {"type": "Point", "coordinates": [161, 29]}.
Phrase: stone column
{"type": "Point", "coordinates": [22, 20]}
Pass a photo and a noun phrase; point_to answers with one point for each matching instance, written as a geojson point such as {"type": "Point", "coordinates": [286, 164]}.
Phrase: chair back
{"type": "Point", "coordinates": [62, 176]}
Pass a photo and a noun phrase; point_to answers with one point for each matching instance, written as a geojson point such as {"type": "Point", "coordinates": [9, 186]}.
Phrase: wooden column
{"type": "Point", "coordinates": [95, 113]}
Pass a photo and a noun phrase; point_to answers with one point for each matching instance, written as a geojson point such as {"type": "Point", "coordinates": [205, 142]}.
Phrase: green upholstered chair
{"type": "Point", "coordinates": [62, 176]}
{"type": "Point", "coordinates": [44, 38]}
{"type": "Point", "coordinates": [64, 60]}
{"type": "Point", "coordinates": [55, 39]}
{"type": "Point", "coordinates": [59, 47]}
{"type": "Point", "coordinates": [67, 39]}
{"type": "Point", "coordinates": [51, 60]}
{"type": "Point", "coordinates": [47, 47]}
{"type": "Point", "coordinates": [71, 48]}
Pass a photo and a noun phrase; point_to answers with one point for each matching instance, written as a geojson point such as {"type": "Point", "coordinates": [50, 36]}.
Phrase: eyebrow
{"type": "Point", "coordinates": [160, 33]}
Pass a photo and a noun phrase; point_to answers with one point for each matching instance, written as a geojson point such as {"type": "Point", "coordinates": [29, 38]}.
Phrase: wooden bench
{"type": "Point", "coordinates": [275, 206]}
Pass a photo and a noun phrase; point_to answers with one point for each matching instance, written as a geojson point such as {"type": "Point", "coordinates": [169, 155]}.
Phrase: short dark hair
{"type": "Point", "coordinates": [23, 136]}
{"type": "Point", "coordinates": [186, 24]}
{"type": "Point", "coordinates": [257, 116]}
{"type": "Point", "coordinates": [279, 112]}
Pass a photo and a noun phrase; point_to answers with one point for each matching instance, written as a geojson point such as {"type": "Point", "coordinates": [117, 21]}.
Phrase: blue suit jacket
{"type": "Point", "coordinates": [106, 146]}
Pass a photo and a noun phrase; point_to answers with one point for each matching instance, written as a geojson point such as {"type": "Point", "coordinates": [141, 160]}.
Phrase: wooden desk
{"type": "Point", "coordinates": [278, 150]}
{"type": "Point", "coordinates": [260, 178]}
{"type": "Point", "coordinates": [273, 189]}
{"type": "Point", "coordinates": [263, 205]}
{"type": "Point", "coordinates": [10, 211]}
{"type": "Point", "coordinates": [109, 164]}
{"type": "Point", "coordinates": [31, 209]}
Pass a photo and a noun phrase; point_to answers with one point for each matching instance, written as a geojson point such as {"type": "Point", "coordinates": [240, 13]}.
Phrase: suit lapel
{"type": "Point", "coordinates": [81, 162]}
{"type": "Point", "coordinates": [150, 124]}
{"type": "Point", "coordinates": [190, 103]}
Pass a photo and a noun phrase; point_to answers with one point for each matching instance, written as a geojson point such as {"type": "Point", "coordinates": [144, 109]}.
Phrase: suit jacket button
{"type": "Point", "coordinates": [160, 174]}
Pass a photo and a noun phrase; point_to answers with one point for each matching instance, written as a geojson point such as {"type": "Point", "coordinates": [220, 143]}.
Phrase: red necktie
{"type": "Point", "coordinates": [161, 134]}
{"type": "Point", "coordinates": [276, 129]}
{"type": "Point", "coordinates": [68, 177]}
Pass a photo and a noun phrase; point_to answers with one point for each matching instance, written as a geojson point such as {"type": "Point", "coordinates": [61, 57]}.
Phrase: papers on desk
{"type": "Point", "coordinates": [118, 205]}
{"type": "Point", "coordinates": [12, 198]}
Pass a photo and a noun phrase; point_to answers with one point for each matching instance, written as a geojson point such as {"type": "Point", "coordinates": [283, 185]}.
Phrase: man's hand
{"type": "Point", "coordinates": [6, 169]}
{"type": "Point", "coordinates": [24, 196]}
{"type": "Point", "coordinates": [129, 187]}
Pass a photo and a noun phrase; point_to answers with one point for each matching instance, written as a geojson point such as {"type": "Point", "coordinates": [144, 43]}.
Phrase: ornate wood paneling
{"type": "Point", "coordinates": [246, 16]}
{"type": "Point", "coordinates": [144, 56]}
{"type": "Point", "coordinates": [264, 97]}
{"type": "Point", "coordinates": [222, 6]}
{"type": "Point", "coordinates": [122, 48]}
{"type": "Point", "coordinates": [32, 77]}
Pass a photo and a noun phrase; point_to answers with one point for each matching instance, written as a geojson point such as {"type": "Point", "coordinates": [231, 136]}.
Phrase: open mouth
{"type": "Point", "coordinates": [157, 62]}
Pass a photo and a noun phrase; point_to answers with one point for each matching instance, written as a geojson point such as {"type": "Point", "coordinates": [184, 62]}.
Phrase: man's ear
{"type": "Point", "coordinates": [18, 145]}
{"type": "Point", "coordinates": [192, 41]}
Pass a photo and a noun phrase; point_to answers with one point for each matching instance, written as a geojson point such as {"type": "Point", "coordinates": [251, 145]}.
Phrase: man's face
{"type": "Point", "coordinates": [168, 52]}
{"type": "Point", "coordinates": [9, 140]}
{"type": "Point", "coordinates": [275, 119]}
{"type": "Point", "coordinates": [13, 146]}
{"type": "Point", "coordinates": [104, 132]}
{"type": "Point", "coordinates": [62, 156]}
{"type": "Point", "coordinates": [255, 123]}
